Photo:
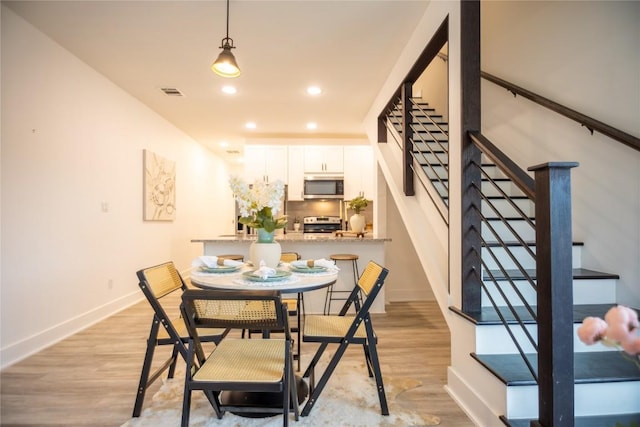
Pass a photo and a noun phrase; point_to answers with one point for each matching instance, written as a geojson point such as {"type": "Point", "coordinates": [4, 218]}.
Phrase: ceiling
{"type": "Point", "coordinates": [346, 47]}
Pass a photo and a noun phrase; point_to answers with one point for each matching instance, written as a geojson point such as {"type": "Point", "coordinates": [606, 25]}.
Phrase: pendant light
{"type": "Point", "coordinates": [226, 65]}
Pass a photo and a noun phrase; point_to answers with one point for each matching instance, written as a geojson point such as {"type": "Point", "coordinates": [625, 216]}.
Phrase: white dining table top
{"type": "Point", "coordinates": [296, 282]}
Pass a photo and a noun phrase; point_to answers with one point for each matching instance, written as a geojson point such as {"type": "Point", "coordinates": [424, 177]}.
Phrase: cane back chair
{"type": "Point", "coordinates": [344, 329]}
{"type": "Point", "coordinates": [239, 375]}
{"type": "Point", "coordinates": [158, 283]}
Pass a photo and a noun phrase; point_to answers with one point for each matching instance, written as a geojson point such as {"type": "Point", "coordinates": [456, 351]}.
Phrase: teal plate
{"type": "Point", "coordinates": [220, 269]}
{"type": "Point", "coordinates": [307, 269]}
{"type": "Point", "coordinates": [280, 275]}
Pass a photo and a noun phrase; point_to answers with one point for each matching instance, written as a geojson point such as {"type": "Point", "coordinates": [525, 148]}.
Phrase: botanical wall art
{"type": "Point", "coordinates": [159, 188]}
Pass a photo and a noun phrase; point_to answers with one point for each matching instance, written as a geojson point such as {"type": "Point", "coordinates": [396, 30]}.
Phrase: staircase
{"type": "Point", "coordinates": [607, 385]}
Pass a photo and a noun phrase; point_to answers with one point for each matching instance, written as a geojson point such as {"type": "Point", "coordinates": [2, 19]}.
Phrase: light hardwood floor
{"type": "Point", "coordinates": [90, 379]}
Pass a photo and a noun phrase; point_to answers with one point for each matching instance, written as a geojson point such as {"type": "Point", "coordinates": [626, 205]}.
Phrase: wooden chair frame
{"type": "Point", "coordinates": [156, 283]}
{"type": "Point", "coordinates": [215, 374]}
{"type": "Point", "coordinates": [343, 329]}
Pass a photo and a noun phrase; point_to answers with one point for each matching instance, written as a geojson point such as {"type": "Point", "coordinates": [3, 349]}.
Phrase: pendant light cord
{"type": "Point", "coordinates": [227, 19]}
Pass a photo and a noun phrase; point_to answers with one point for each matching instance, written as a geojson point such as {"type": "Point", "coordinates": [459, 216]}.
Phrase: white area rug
{"type": "Point", "coordinates": [348, 400]}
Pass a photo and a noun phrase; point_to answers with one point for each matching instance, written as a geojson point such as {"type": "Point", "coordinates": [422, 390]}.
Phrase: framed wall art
{"type": "Point", "coordinates": [159, 188]}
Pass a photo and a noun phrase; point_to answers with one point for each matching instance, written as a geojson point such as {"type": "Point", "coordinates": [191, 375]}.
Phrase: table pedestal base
{"type": "Point", "coordinates": [252, 398]}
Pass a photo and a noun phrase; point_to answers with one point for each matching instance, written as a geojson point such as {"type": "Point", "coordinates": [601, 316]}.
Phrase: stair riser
{"type": "Point", "coordinates": [505, 208]}
{"type": "Point", "coordinates": [523, 257]}
{"type": "Point", "coordinates": [430, 146]}
{"type": "Point", "coordinates": [494, 339]}
{"type": "Point", "coordinates": [590, 399]}
{"type": "Point", "coordinates": [433, 158]}
{"type": "Point", "coordinates": [585, 291]}
{"type": "Point", "coordinates": [521, 228]}
{"type": "Point", "coordinates": [490, 190]}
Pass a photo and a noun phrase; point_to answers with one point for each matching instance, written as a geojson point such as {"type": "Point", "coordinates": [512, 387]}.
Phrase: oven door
{"type": "Point", "coordinates": [321, 228]}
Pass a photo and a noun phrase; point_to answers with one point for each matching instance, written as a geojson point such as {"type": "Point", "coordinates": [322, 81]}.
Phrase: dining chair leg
{"type": "Point", "coordinates": [315, 394]}
{"type": "Point", "coordinates": [314, 361]}
{"type": "Point", "coordinates": [384, 409]}
{"type": "Point", "coordinates": [146, 368]}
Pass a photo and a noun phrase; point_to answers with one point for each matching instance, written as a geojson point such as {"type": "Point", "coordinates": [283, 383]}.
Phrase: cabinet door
{"type": "Point", "coordinates": [313, 159]}
{"type": "Point", "coordinates": [359, 173]}
{"type": "Point", "coordinates": [254, 163]}
{"type": "Point", "coordinates": [265, 163]}
{"type": "Point", "coordinates": [333, 159]}
{"type": "Point", "coordinates": [296, 173]}
{"type": "Point", "coordinates": [323, 159]}
{"type": "Point", "coordinates": [276, 163]}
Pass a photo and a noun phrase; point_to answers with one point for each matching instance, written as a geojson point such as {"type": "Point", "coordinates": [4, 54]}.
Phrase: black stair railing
{"type": "Point", "coordinates": [424, 144]}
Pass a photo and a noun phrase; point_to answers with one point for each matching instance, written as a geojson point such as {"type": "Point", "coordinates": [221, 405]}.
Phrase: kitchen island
{"type": "Point", "coordinates": [313, 246]}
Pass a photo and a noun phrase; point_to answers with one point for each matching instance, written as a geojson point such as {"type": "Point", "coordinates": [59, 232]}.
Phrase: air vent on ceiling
{"type": "Point", "coordinates": [233, 152]}
{"type": "Point", "coordinates": [171, 91]}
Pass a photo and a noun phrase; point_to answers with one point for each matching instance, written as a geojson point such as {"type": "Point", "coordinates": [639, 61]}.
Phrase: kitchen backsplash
{"type": "Point", "coordinates": [300, 209]}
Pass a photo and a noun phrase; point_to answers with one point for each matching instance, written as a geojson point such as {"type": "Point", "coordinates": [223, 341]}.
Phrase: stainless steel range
{"type": "Point", "coordinates": [321, 224]}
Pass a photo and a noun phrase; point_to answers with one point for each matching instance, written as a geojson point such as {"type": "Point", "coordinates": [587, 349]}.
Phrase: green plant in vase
{"type": "Point", "coordinates": [357, 222]}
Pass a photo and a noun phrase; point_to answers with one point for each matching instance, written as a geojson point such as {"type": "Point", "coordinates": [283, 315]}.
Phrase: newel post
{"type": "Point", "coordinates": [555, 294]}
{"type": "Point", "coordinates": [407, 134]}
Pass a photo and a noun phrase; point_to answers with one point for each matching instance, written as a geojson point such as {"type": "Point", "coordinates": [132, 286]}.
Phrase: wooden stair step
{"type": "Point", "coordinates": [578, 273]}
{"type": "Point", "coordinates": [589, 367]}
{"type": "Point", "coordinates": [613, 420]}
{"type": "Point", "coordinates": [488, 315]}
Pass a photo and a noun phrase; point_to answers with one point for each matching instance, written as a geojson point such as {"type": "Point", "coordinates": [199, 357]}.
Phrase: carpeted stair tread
{"type": "Point", "coordinates": [589, 367]}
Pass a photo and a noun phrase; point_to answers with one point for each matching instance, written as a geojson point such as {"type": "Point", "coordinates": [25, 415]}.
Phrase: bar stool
{"type": "Point", "coordinates": [342, 295]}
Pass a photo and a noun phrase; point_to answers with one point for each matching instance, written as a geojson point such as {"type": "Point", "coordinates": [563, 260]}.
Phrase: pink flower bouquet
{"type": "Point", "coordinates": [618, 329]}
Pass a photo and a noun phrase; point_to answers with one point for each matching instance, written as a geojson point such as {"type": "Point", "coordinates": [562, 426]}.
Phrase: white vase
{"type": "Point", "coordinates": [357, 223]}
{"type": "Point", "coordinates": [265, 249]}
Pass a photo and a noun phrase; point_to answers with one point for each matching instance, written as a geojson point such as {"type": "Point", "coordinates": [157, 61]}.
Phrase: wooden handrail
{"type": "Point", "coordinates": [590, 123]}
{"type": "Point", "coordinates": [519, 177]}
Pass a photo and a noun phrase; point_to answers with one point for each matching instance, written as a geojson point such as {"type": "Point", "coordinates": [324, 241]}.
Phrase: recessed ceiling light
{"type": "Point", "coordinates": [230, 90]}
{"type": "Point", "coordinates": [312, 125]}
{"type": "Point", "coordinates": [250, 125]}
{"type": "Point", "coordinates": [224, 144]}
{"type": "Point", "coordinates": [314, 90]}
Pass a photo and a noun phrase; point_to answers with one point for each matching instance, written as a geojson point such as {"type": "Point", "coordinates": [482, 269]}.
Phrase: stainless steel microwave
{"type": "Point", "coordinates": [323, 187]}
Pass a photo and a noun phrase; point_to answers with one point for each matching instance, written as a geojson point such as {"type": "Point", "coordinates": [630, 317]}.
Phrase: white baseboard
{"type": "Point", "coordinates": [16, 352]}
{"type": "Point", "coordinates": [470, 402]}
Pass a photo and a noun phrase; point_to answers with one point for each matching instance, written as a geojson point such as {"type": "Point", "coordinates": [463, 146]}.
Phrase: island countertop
{"type": "Point", "coordinates": [296, 237]}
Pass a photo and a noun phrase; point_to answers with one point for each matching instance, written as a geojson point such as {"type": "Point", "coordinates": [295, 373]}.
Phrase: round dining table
{"type": "Point", "coordinates": [296, 282]}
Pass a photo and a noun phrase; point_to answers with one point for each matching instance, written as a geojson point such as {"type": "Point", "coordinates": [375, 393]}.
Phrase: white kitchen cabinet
{"type": "Point", "coordinates": [359, 172]}
{"type": "Point", "coordinates": [265, 163]}
{"type": "Point", "coordinates": [295, 188]}
{"type": "Point", "coordinates": [323, 159]}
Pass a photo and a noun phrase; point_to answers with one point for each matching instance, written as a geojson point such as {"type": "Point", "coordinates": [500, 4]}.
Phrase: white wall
{"type": "Point", "coordinates": [71, 141]}
{"type": "Point", "coordinates": [432, 85]}
{"type": "Point", "coordinates": [584, 55]}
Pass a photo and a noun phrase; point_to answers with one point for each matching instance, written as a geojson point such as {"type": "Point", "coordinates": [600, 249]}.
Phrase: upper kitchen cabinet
{"type": "Point", "coordinates": [265, 163]}
{"type": "Point", "coordinates": [296, 173]}
{"type": "Point", "coordinates": [359, 175]}
{"type": "Point", "coordinates": [323, 159]}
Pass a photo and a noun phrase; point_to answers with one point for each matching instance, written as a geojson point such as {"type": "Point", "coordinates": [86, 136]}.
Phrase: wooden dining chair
{"type": "Point", "coordinates": [157, 284]}
{"type": "Point", "coordinates": [239, 375]}
{"type": "Point", "coordinates": [344, 329]}
{"type": "Point", "coordinates": [295, 305]}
